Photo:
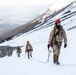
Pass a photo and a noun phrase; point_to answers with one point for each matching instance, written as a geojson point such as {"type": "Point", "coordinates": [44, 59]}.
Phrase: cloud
{"type": "Point", "coordinates": [27, 9]}
{"type": "Point", "coordinates": [23, 2]}
{"type": "Point", "coordinates": [22, 12]}
{"type": "Point", "coordinates": [30, 2]}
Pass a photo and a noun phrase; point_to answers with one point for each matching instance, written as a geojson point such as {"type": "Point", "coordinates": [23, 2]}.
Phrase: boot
{"type": "Point", "coordinates": [54, 58]}
{"type": "Point", "coordinates": [57, 58]}
{"type": "Point", "coordinates": [31, 55]}
{"type": "Point", "coordinates": [58, 63]}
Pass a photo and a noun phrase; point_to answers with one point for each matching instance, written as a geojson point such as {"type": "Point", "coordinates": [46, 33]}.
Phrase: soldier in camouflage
{"type": "Point", "coordinates": [29, 49]}
{"type": "Point", "coordinates": [19, 51]}
{"type": "Point", "coordinates": [55, 39]}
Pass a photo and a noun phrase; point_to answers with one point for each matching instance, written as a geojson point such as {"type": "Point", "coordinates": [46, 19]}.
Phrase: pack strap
{"type": "Point", "coordinates": [54, 36]}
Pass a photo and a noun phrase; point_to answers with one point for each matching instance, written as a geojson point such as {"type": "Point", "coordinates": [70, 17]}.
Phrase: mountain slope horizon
{"type": "Point", "coordinates": [38, 23]}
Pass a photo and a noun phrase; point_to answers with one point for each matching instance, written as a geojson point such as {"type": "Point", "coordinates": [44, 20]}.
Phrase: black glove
{"type": "Point", "coordinates": [48, 46]}
{"type": "Point", "coordinates": [65, 45]}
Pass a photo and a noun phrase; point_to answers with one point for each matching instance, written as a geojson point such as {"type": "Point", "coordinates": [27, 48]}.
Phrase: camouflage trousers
{"type": "Point", "coordinates": [57, 47]}
{"type": "Point", "coordinates": [29, 53]}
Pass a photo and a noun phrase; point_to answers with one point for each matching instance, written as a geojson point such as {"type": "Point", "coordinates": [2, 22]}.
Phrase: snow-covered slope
{"type": "Point", "coordinates": [42, 21]}
{"type": "Point", "coordinates": [38, 65]}
{"type": "Point", "coordinates": [50, 16]}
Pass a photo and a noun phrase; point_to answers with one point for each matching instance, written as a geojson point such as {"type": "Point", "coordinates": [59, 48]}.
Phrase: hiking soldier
{"type": "Point", "coordinates": [29, 49]}
{"type": "Point", "coordinates": [18, 51]}
{"type": "Point", "coordinates": [9, 52]}
{"type": "Point", "coordinates": [55, 40]}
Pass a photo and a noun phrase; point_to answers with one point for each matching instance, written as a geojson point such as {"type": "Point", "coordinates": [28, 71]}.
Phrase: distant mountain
{"type": "Point", "coordinates": [12, 21]}
{"type": "Point", "coordinates": [44, 20]}
{"type": "Point", "coordinates": [9, 24]}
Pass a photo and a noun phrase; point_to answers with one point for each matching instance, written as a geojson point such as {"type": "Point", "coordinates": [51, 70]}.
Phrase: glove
{"type": "Point", "coordinates": [65, 45]}
{"type": "Point", "coordinates": [48, 46]}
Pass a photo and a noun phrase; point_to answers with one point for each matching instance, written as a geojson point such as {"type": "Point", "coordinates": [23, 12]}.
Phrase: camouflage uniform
{"type": "Point", "coordinates": [56, 36]}
{"type": "Point", "coordinates": [18, 51]}
{"type": "Point", "coordinates": [9, 52]}
{"type": "Point", "coordinates": [29, 50]}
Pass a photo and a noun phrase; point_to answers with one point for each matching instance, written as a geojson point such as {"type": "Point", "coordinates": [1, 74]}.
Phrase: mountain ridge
{"type": "Point", "coordinates": [37, 23]}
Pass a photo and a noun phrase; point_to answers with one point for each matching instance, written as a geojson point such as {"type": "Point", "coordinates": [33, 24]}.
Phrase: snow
{"type": "Point", "coordinates": [37, 65]}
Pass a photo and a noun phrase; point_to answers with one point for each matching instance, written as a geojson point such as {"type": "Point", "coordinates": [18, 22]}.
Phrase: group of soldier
{"type": "Point", "coordinates": [55, 41]}
{"type": "Point", "coordinates": [28, 50]}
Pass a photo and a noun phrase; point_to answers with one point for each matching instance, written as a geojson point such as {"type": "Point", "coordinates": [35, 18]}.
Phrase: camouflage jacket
{"type": "Point", "coordinates": [58, 36]}
{"type": "Point", "coordinates": [19, 50]}
{"type": "Point", "coordinates": [28, 47]}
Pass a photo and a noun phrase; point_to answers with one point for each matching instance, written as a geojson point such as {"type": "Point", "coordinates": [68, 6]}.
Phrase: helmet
{"type": "Point", "coordinates": [57, 21]}
{"type": "Point", "coordinates": [27, 41]}
{"type": "Point", "coordinates": [18, 46]}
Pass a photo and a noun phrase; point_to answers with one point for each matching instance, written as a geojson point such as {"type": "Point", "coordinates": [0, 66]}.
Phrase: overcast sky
{"type": "Point", "coordinates": [27, 9]}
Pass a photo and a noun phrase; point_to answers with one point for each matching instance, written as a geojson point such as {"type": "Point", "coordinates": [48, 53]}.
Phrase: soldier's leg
{"type": "Point", "coordinates": [31, 53]}
{"type": "Point", "coordinates": [56, 54]}
{"type": "Point", "coordinates": [54, 58]}
{"type": "Point", "coordinates": [18, 54]}
{"type": "Point", "coordinates": [57, 58]}
{"type": "Point", "coordinates": [28, 54]}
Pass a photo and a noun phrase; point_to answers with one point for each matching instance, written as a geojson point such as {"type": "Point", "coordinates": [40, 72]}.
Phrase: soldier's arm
{"type": "Point", "coordinates": [26, 48]}
{"type": "Point", "coordinates": [51, 36]}
{"type": "Point", "coordinates": [31, 47]}
{"type": "Point", "coordinates": [64, 36]}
